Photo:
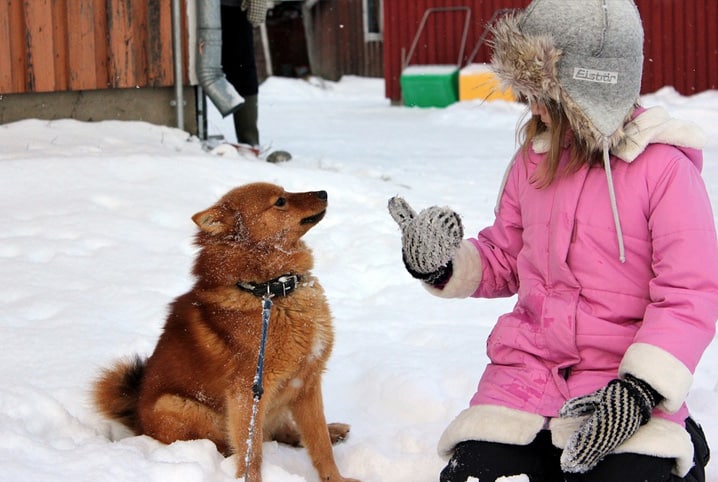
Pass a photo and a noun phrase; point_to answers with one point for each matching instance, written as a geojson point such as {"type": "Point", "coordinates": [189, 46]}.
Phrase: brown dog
{"type": "Point", "coordinates": [198, 382]}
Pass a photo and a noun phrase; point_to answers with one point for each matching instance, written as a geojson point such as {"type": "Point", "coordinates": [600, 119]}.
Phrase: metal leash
{"type": "Point", "coordinates": [257, 388]}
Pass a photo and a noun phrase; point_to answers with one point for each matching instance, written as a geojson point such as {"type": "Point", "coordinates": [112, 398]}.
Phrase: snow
{"type": "Point", "coordinates": [473, 69]}
{"type": "Point", "coordinates": [96, 239]}
{"type": "Point", "coordinates": [429, 70]}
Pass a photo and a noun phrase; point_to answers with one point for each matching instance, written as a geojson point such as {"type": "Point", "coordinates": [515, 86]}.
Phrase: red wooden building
{"type": "Point", "coordinates": [681, 39]}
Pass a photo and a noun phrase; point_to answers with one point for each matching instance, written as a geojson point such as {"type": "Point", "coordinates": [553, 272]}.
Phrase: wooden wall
{"type": "Point", "coordinates": [681, 47]}
{"type": "Point", "coordinates": [61, 45]}
{"type": "Point", "coordinates": [287, 41]}
{"type": "Point", "coordinates": [681, 39]}
{"type": "Point", "coordinates": [335, 37]}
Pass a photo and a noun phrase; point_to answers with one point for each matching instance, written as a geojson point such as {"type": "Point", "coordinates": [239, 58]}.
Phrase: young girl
{"type": "Point", "coordinates": [605, 232]}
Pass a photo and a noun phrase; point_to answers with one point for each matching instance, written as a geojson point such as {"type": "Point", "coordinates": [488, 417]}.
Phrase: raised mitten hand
{"type": "Point", "coordinates": [429, 239]}
{"type": "Point", "coordinates": [615, 413]}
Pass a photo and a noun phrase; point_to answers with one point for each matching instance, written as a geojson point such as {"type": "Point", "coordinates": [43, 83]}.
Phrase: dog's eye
{"type": "Point", "coordinates": [280, 202]}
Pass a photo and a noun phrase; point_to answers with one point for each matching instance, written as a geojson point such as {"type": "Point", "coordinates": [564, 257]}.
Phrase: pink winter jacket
{"type": "Point", "coordinates": [583, 317]}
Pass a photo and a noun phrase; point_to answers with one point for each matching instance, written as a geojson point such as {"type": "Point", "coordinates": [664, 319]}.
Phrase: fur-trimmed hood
{"type": "Point", "coordinates": [587, 56]}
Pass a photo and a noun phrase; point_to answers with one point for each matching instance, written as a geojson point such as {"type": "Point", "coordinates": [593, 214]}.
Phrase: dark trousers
{"type": "Point", "coordinates": [239, 66]}
{"type": "Point", "coordinates": [238, 60]}
{"type": "Point", "coordinates": [540, 461]}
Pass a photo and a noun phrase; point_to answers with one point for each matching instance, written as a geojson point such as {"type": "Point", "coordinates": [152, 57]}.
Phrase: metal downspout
{"type": "Point", "coordinates": [209, 59]}
{"type": "Point", "coordinates": [177, 53]}
{"type": "Point", "coordinates": [307, 7]}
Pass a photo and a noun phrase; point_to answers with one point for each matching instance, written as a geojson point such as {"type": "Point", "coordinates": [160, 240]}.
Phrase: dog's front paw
{"type": "Point", "coordinates": [338, 432]}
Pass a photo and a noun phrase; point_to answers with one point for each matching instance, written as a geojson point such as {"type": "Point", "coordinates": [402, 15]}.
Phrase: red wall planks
{"type": "Point", "coordinates": [57, 45]}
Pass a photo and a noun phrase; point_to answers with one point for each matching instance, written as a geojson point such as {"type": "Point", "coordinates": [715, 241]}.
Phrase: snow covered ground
{"type": "Point", "coordinates": [96, 240]}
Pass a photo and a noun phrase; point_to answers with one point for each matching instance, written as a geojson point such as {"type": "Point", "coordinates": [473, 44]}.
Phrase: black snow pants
{"type": "Point", "coordinates": [540, 461]}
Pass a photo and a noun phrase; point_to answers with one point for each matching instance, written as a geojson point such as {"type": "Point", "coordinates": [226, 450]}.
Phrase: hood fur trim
{"type": "Point", "coordinates": [655, 125]}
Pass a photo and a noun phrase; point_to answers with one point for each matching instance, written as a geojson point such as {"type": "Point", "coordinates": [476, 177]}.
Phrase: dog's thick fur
{"type": "Point", "coordinates": [198, 382]}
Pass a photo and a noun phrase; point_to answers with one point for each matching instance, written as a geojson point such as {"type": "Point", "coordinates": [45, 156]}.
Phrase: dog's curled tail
{"type": "Point", "coordinates": [116, 392]}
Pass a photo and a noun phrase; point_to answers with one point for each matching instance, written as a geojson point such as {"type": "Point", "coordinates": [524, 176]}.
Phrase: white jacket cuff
{"type": "Point", "coordinates": [661, 370]}
{"type": "Point", "coordinates": [490, 423]}
{"type": "Point", "coordinates": [466, 275]}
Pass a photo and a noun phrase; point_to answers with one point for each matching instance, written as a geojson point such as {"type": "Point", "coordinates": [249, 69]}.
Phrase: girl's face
{"type": "Point", "coordinates": [540, 109]}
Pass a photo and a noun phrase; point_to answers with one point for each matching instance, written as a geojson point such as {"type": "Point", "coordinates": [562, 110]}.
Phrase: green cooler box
{"type": "Point", "coordinates": [430, 85]}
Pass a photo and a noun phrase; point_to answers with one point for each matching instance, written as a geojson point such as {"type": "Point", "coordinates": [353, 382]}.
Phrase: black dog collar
{"type": "Point", "coordinates": [280, 286]}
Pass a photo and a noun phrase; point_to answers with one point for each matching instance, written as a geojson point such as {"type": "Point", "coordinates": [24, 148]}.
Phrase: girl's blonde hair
{"type": "Point", "coordinates": [560, 135]}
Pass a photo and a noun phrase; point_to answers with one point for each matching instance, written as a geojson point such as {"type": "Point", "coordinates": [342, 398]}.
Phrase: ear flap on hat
{"type": "Point", "coordinates": [526, 64]}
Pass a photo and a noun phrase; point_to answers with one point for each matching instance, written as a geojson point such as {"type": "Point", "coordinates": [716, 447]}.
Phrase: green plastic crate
{"type": "Point", "coordinates": [430, 85]}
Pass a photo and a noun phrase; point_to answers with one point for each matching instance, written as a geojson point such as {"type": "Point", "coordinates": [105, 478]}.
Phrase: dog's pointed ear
{"type": "Point", "coordinates": [210, 220]}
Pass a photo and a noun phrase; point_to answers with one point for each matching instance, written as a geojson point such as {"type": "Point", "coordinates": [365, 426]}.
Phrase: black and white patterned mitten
{"type": "Point", "coordinates": [614, 412]}
{"type": "Point", "coordinates": [429, 239]}
{"type": "Point", "coordinates": [256, 11]}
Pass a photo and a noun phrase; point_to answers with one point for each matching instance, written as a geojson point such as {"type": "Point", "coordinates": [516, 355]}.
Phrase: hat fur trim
{"type": "Point", "coordinates": [527, 64]}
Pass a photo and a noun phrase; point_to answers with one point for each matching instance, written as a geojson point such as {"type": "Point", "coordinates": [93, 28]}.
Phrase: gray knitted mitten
{"type": "Point", "coordinates": [615, 413]}
{"type": "Point", "coordinates": [256, 11]}
{"type": "Point", "coordinates": [429, 239]}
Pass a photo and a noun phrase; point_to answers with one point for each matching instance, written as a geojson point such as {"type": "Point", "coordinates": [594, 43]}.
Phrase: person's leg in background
{"type": "Point", "coordinates": [239, 66]}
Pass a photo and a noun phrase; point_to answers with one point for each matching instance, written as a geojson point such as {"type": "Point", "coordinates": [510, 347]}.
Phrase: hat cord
{"type": "Point", "coordinates": [612, 197]}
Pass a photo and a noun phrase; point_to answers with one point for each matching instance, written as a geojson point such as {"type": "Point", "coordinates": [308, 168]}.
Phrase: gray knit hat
{"type": "Point", "coordinates": [587, 55]}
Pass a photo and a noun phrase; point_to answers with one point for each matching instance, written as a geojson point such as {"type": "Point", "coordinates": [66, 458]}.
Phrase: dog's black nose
{"type": "Point", "coordinates": [321, 195]}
